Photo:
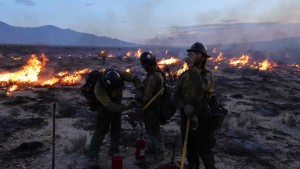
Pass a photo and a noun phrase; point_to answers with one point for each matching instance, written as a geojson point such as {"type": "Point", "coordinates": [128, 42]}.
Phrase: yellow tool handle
{"type": "Point", "coordinates": [153, 98]}
{"type": "Point", "coordinates": [185, 143]}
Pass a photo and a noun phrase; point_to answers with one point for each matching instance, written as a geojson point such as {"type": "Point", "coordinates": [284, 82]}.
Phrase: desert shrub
{"type": "Point", "coordinates": [77, 145]}
{"type": "Point", "coordinates": [68, 103]}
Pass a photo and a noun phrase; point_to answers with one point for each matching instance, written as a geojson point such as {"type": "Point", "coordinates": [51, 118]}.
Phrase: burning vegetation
{"type": "Point", "coordinates": [30, 75]}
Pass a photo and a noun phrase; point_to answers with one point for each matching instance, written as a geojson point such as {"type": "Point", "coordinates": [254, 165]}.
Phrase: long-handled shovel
{"type": "Point", "coordinates": [185, 143]}
{"type": "Point", "coordinates": [53, 137]}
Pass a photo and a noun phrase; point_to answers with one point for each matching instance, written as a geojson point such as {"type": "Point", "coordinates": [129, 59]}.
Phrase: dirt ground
{"type": "Point", "coordinates": [260, 131]}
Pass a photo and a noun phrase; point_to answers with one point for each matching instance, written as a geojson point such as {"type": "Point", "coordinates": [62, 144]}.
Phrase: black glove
{"type": "Point", "coordinates": [188, 110]}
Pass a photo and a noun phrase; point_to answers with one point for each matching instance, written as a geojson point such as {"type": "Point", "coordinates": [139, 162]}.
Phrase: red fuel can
{"type": "Point", "coordinates": [117, 162]}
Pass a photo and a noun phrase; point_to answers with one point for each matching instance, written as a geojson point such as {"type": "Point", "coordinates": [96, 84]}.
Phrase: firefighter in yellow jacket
{"type": "Point", "coordinates": [192, 93]}
{"type": "Point", "coordinates": [109, 92]}
{"type": "Point", "coordinates": [151, 85]}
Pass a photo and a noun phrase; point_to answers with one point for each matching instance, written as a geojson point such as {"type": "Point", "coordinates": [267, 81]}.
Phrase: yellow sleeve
{"type": "Point", "coordinates": [102, 96]}
{"type": "Point", "coordinates": [128, 77]}
{"type": "Point", "coordinates": [152, 83]}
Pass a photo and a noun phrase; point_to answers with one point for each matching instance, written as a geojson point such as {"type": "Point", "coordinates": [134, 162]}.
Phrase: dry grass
{"type": "Point", "coordinates": [77, 145]}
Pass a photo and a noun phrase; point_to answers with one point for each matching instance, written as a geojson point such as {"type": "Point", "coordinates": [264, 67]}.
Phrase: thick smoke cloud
{"type": "Point", "coordinates": [228, 33]}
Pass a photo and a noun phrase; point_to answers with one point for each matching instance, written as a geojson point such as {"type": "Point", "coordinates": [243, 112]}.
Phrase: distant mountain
{"type": "Point", "coordinates": [51, 35]}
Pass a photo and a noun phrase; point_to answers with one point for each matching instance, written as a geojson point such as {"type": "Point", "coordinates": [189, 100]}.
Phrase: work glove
{"type": "Point", "coordinates": [188, 110]}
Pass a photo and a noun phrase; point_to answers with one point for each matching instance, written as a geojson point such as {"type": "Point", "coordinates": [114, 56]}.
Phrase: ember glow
{"type": "Point", "coordinates": [128, 53]}
{"type": "Point", "coordinates": [295, 65]}
{"type": "Point", "coordinates": [110, 55]}
{"type": "Point", "coordinates": [16, 58]}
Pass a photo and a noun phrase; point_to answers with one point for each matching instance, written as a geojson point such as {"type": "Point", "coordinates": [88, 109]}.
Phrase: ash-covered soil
{"type": "Point", "coordinates": [260, 131]}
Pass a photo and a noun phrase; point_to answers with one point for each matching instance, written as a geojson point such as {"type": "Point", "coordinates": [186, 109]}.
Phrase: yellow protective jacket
{"type": "Point", "coordinates": [152, 84]}
{"type": "Point", "coordinates": [110, 99]}
{"type": "Point", "coordinates": [194, 87]}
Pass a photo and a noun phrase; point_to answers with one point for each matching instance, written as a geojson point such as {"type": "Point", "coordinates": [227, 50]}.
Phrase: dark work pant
{"type": "Point", "coordinates": [105, 119]}
{"type": "Point", "coordinates": [199, 145]}
{"type": "Point", "coordinates": [152, 125]}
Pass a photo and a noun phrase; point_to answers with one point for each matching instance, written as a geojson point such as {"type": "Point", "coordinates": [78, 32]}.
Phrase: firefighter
{"type": "Point", "coordinates": [109, 92]}
{"type": "Point", "coordinates": [151, 85]}
{"type": "Point", "coordinates": [193, 90]}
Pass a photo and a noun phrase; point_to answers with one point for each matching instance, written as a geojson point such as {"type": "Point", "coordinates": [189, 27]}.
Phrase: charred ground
{"type": "Point", "coordinates": [260, 131]}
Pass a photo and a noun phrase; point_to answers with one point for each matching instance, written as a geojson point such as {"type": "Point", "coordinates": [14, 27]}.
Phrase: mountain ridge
{"type": "Point", "coordinates": [52, 35]}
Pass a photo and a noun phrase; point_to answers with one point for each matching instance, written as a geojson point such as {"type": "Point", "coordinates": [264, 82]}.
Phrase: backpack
{"type": "Point", "coordinates": [87, 89]}
{"type": "Point", "coordinates": [166, 107]}
{"type": "Point", "coordinates": [217, 114]}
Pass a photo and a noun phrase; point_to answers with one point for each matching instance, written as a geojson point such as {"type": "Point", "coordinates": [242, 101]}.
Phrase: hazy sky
{"type": "Point", "coordinates": [150, 21]}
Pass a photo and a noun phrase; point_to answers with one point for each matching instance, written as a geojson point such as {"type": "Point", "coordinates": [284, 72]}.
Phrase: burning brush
{"type": "Point", "coordinates": [29, 76]}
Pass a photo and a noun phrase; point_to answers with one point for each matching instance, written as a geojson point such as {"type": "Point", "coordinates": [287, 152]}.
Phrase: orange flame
{"type": "Point", "coordinates": [71, 78]}
{"type": "Point", "coordinates": [265, 65]}
{"type": "Point", "coordinates": [50, 82]}
{"type": "Point", "coordinates": [138, 53]}
{"type": "Point", "coordinates": [184, 68]}
{"type": "Point", "coordinates": [239, 62]}
{"type": "Point", "coordinates": [29, 72]}
{"type": "Point", "coordinates": [219, 58]}
{"type": "Point", "coordinates": [170, 61]}
{"type": "Point", "coordinates": [29, 75]}
{"type": "Point", "coordinates": [12, 88]}
{"type": "Point", "coordinates": [60, 74]}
